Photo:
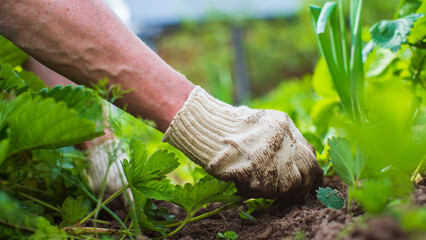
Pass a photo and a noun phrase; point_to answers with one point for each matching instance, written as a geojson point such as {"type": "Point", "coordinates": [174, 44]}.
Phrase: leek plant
{"type": "Point", "coordinates": [344, 63]}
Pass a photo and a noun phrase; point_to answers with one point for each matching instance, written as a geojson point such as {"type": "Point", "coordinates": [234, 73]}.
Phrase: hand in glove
{"type": "Point", "coordinates": [261, 151]}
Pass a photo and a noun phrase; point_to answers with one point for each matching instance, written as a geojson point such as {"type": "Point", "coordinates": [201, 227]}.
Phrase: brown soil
{"type": "Point", "coordinates": [308, 219]}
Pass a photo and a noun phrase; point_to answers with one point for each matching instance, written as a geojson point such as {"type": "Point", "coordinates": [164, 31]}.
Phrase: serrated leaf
{"type": "Point", "coordinates": [11, 54]}
{"type": "Point", "coordinates": [19, 81]}
{"type": "Point", "coordinates": [79, 98]}
{"type": "Point", "coordinates": [72, 211]}
{"type": "Point", "coordinates": [33, 82]}
{"type": "Point", "coordinates": [342, 159]}
{"type": "Point", "coordinates": [329, 198]}
{"type": "Point", "coordinates": [47, 231]}
{"type": "Point", "coordinates": [191, 197]}
{"type": "Point", "coordinates": [147, 175]}
{"type": "Point", "coordinates": [159, 188]}
{"type": "Point", "coordinates": [9, 79]}
{"type": "Point", "coordinates": [140, 200]}
{"type": "Point", "coordinates": [43, 123]}
{"type": "Point", "coordinates": [392, 33]}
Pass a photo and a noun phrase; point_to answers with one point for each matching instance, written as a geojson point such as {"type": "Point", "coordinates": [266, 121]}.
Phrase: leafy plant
{"type": "Point", "coordinates": [376, 142]}
{"type": "Point", "coordinates": [329, 198]}
{"type": "Point", "coordinates": [228, 235]}
{"type": "Point", "coordinates": [72, 211]}
{"type": "Point", "coordinates": [193, 197]}
{"type": "Point", "coordinates": [392, 33]}
{"type": "Point", "coordinates": [255, 204]}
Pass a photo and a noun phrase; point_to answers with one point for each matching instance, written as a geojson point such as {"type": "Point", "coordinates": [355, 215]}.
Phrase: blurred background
{"type": "Point", "coordinates": [238, 50]}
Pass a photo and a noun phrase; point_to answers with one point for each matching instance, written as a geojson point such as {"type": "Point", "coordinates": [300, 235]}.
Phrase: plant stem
{"type": "Point", "coordinates": [183, 223]}
{"type": "Point", "coordinates": [100, 221]}
{"type": "Point", "coordinates": [84, 230]}
{"type": "Point", "coordinates": [103, 204]}
{"type": "Point", "coordinates": [40, 202]}
{"type": "Point", "coordinates": [417, 171]}
{"type": "Point", "coordinates": [24, 228]}
{"type": "Point", "coordinates": [90, 195]}
{"type": "Point", "coordinates": [206, 215]}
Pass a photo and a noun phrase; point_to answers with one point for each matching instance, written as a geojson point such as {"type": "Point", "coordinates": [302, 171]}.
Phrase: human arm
{"type": "Point", "coordinates": [85, 41]}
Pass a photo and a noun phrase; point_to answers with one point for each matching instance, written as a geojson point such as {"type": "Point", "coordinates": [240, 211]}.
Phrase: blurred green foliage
{"type": "Point", "coordinates": [277, 49]}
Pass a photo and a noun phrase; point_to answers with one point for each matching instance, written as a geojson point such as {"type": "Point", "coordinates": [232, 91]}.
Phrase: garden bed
{"type": "Point", "coordinates": [308, 219]}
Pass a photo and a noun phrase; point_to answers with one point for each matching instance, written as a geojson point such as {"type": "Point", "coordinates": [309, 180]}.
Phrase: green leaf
{"type": "Point", "coordinates": [11, 54]}
{"type": "Point", "coordinates": [72, 210]}
{"type": "Point", "coordinates": [140, 201]}
{"type": "Point", "coordinates": [334, 67]}
{"type": "Point", "coordinates": [322, 82]}
{"type": "Point", "coordinates": [379, 61]}
{"type": "Point", "coordinates": [147, 175]}
{"type": "Point", "coordinates": [20, 81]}
{"type": "Point", "coordinates": [329, 198]}
{"type": "Point", "coordinates": [342, 159]}
{"type": "Point", "coordinates": [81, 99]}
{"type": "Point", "coordinates": [228, 235]}
{"type": "Point", "coordinates": [192, 197]}
{"type": "Point", "coordinates": [326, 11]}
{"type": "Point", "coordinates": [392, 33]}
{"type": "Point", "coordinates": [414, 219]}
{"type": "Point", "coordinates": [13, 212]}
{"type": "Point", "coordinates": [247, 216]}
{"type": "Point", "coordinates": [4, 145]}
{"type": "Point", "coordinates": [47, 231]}
{"type": "Point", "coordinates": [418, 32]}
{"type": "Point", "coordinates": [43, 123]}
{"type": "Point", "coordinates": [406, 7]}
{"type": "Point", "coordinates": [323, 112]}
{"type": "Point", "coordinates": [9, 79]}
{"type": "Point", "coordinates": [373, 195]}
{"type": "Point", "coordinates": [34, 83]}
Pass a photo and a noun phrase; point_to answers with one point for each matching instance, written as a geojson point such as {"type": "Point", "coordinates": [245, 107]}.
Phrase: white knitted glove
{"type": "Point", "coordinates": [261, 151]}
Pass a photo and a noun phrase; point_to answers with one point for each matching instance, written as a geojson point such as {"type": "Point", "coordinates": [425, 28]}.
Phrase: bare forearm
{"type": "Point", "coordinates": [85, 41]}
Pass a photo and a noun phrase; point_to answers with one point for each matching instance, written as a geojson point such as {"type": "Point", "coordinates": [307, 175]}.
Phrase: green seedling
{"type": "Point", "coordinates": [228, 235]}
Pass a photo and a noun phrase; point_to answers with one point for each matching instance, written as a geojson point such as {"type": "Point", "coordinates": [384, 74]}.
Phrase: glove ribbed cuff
{"type": "Point", "coordinates": [201, 127]}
